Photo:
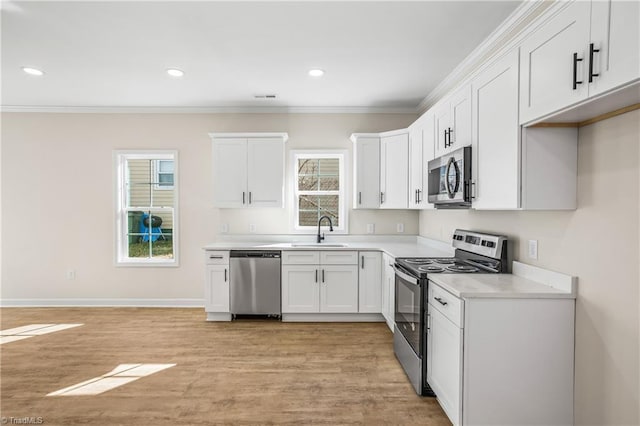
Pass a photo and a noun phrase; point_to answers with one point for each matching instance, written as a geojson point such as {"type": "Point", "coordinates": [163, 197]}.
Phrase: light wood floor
{"type": "Point", "coordinates": [246, 372]}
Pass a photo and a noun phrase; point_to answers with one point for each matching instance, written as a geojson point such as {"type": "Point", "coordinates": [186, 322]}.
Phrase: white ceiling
{"type": "Point", "coordinates": [114, 54]}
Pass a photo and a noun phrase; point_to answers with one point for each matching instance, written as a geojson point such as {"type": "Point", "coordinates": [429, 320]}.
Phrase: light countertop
{"type": "Point", "coordinates": [497, 286]}
{"type": "Point", "coordinates": [392, 248]}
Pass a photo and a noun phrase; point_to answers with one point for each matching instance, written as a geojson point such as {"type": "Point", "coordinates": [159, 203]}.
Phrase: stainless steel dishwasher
{"type": "Point", "coordinates": [255, 282]}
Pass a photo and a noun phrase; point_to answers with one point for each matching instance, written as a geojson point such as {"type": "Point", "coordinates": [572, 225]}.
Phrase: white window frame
{"type": "Point", "coordinates": [120, 158]}
{"type": "Point", "coordinates": [157, 173]}
{"type": "Point", "coordinates": [340, 154]}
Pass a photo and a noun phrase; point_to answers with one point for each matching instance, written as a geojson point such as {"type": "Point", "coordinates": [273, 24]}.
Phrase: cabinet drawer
{"type": "Point", "coordinates": [446, 303]}
{"type": "Point", "coordinates": [339, 257]}
{"type": "Point", "coordinates": [217, 257]}
{"type": "Point", "coordinates": [300, 257]}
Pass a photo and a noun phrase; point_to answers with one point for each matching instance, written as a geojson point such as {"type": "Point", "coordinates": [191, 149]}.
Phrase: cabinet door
{"type": "Point", "coordinates": [444, 363]}
{"type": "Point", "coordinates": [230, 172]}
{"type": "Point", "coordinates": [388, 290]}
{"type": "Point", "coordinates": [300, 292]}
{"type": "Point", "coordinates": [547, 63]}
{"type": "Point", "coordinates": [428, 154]}
{"type": "Point", "coordinates": [460, 133]}
{"type": "Point", "coordinates": [615, 33]}
{"type": "Point", "coordinates": [416, 161]}
{"type": "Point", "coordinates": [496, 136]}
{"type": "Point", "coordinates": [442, 123]}
{"type": "Point", "coordinates": [394, 168]}
{"type": "Point", "coordinates": [370, 282]}
{"type": "Point", "coordinates": [367, 173]}
{"type": "Point", "coordinates": [339, 288]}
{"type": "Point", "coordinates": [216, 289]}
{"type": "Point", "coordinates": [265, 159]}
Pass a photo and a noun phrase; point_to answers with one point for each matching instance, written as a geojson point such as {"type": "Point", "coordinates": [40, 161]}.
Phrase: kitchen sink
{"type": "Point", "coordinates": [319, 245]}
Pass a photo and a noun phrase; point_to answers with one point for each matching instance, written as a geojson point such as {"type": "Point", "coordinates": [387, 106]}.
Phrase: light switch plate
{"type": "Point", "coordinates": [371, 228]}
{"type": "Point", "coordinates": [224, 228]}
{"type": "Point", "coordinates": [400, 227]}
{"type": "Point", "coordinates": [533, 249]}
{"type": "Point", "coordinates": [71, 274]}
{"type": "Point", "coordinates": [252, 227]}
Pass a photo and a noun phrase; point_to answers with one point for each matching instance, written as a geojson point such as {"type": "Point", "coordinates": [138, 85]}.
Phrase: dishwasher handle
{"type": "Point", "coordinates": [255, 254]}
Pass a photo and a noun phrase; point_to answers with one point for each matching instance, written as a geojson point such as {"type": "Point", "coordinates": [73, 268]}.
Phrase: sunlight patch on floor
{"type": "Point", "coordinates": [26, 331]}
{"type": "Point", "coordinates": [121, 375]}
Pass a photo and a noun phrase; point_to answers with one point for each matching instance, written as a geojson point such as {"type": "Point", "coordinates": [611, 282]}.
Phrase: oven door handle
{"type": "Point", "coordinates": [405, 276]}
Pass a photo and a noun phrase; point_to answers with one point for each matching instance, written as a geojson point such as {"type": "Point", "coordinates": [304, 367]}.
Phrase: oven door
{"type": "Point", "coordinates": [408, 311]}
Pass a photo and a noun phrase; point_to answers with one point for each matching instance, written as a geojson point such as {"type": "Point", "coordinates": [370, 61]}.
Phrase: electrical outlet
{"type": "Point", "coordinates": [224, 228]}
{"type": "Point", "coordinates": [371, 228]}
{"type": "Point", "coordinates": [71, 274]}
{"type": "Point", "coordinates": [533, 249]}
{"type": "Point", "coordinates": [400, 227]}
{"type": "Point", "coordinates": [252, 227]}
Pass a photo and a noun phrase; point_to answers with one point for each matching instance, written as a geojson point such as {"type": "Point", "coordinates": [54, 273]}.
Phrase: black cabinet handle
{"type": "Point", "coordinates": [249, 197]}
{"type": "Point", "coordinates": [446, 133]}
{"type": "Point", "coordinates": [575, 70]}
{"type": "Point", "coordinates": [439, 300]}
{"type": "Point", "coordinates": [419, 198]}
{"type": "Point", "coordinates": [591, 52]}
{"type": "Point", "coordinates": [359, 197]}
{"type": "Point", "coordinates": [316, 275]}
{"type": "Point", "coordinates": [381, 197]}
{"type": "Point", "coordinates": [323, 275]}
{"type": "Point", "coordinates": [362, 262]}
{"type": "Point", "coordinates": [242, 197]}
{"type": "Point", "coordinates": [225, 275]}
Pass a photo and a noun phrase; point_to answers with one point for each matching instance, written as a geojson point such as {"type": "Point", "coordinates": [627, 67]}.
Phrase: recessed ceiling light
{"type": "Point", "coordinates": [316, 72]}
{"type": "Point", "coordinates": [174, 72]}
{"type": "Point", "coordinates": [32, 71]}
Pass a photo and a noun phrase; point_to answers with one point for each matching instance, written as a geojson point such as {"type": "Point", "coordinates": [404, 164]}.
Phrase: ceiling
{"type": "Point", "coordinates": [115, 54]}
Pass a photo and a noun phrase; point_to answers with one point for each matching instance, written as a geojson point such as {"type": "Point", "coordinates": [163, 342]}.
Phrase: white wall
{"type": "Point", "coordinates": [58, 210]}
{"type": "Point", "coordinates": [598, 242]}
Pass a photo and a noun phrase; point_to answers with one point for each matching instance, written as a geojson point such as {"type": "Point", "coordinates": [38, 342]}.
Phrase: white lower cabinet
{"type": "Point", "coordinates": [320, 287]}
{"type": "Point", "coordinates": [501, 361]}
{"type": "Point", "coordinates": [300, 288]}
{"type": "Point", "coordinates": [339, 288]}
{"type": "Point", "coordinates": [216, 288]}
{"type": "Point", "coordinates": [388, 290]}
{"type": "Point", "coordinates": [370, 282]}
{"type": "Point", "coordinates": [444, 365]}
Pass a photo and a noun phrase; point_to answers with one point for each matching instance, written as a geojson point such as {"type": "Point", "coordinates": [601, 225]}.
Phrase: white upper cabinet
{"type": "Point", "coordinates": [248, 169]}
{"type": "Point", "coordinates": [496, 136]}
{"type": "Point", "coordinates": [366, 170]}
{"type": "Point", "coordinates": [614, 51]}
{"type": "Point", "coordinates": [421, 150]}
{"type": "Point", "coordinates": [230, 172]}
{"type": "Point", "coordinates": [394, 171]}
{"type": "Point", "coordinates": [453, 121]}
{"type": "Point", "coordinates": [514, 168]}
{"type": "Point", "coordinates": [585, 49]}
{"type": "Point", "coordinates": [415, 164]}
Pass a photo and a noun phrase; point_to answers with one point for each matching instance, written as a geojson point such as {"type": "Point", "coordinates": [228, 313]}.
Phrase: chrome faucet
{"type": "Point", "coordinates": [321, 237]}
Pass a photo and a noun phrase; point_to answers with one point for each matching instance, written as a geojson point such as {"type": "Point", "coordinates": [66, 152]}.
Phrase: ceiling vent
{"type": "Point", "coordinates": [264, 96]}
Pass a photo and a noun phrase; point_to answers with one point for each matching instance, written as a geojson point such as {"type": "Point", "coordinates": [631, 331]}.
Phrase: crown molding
{"type": "Point", "coordinates": [510, 32]}
{"type": "Point", "coordinates": [211, 110]}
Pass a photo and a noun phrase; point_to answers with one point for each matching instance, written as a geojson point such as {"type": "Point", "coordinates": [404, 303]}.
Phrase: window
{"type": "Point", "coordinates": [319, 189]}
{"type": "Point", "coordinates": [164, 174]}
{"type": "Point", "coordinates": [146, 216]}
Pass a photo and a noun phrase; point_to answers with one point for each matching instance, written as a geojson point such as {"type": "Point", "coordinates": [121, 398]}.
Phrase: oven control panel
{"type": "Point", "coordinates": [479, 243]}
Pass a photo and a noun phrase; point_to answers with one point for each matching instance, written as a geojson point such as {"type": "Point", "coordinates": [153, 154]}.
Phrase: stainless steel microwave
{"type": "Point", "coordinates": [450, 179]}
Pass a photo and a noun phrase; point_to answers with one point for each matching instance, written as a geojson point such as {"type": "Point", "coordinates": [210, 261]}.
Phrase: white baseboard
{"type": "Point", "coordinates": [104, 303]}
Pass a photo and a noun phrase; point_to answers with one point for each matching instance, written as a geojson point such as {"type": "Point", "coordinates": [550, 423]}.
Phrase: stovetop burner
{"type": "Point", "coordinates": [418, 260]}
{"type": "Point", "coordinates": [461, 267]}
{"type": "Point", "coordinates": [430, 268]}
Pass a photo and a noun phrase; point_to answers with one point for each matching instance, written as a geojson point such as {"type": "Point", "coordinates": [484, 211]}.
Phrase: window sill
{"type": "Point", "coordinates": [146, 264]}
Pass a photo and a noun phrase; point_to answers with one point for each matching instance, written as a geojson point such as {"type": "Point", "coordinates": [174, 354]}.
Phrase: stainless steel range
{"type": "Point", "coordinates": [475, 253]}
